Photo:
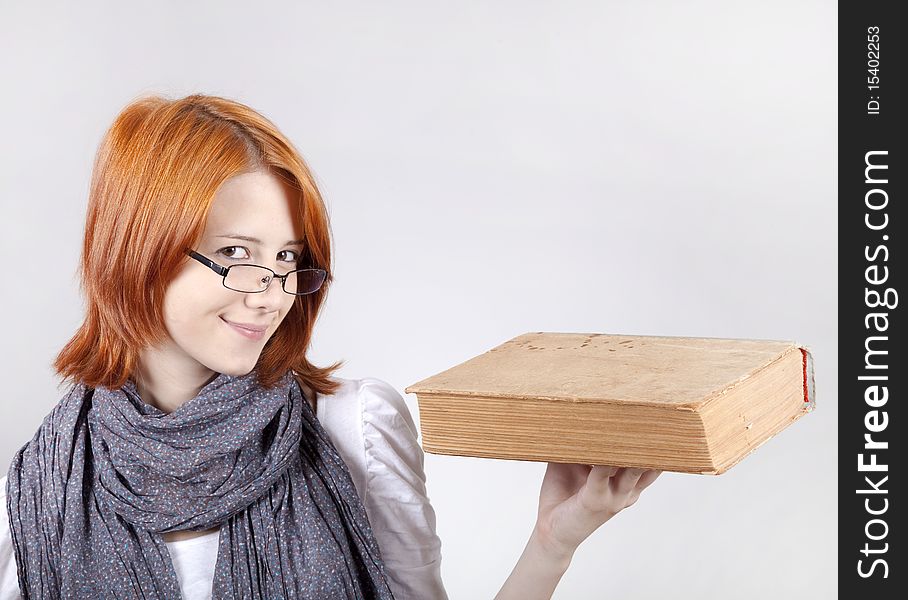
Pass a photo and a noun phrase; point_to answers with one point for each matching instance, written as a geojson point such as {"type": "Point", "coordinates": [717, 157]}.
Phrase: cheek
{"type": "Point", "coordinates": [288, 308]}
{"type": "Point", "coordinates": [187, 311]}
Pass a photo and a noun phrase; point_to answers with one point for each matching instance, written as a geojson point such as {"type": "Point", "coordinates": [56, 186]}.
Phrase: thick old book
{"type": "Point", "coordinates": [684, 404]}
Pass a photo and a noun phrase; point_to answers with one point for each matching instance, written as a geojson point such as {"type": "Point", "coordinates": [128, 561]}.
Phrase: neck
{"type": "Point", "coordinates": [166, 386]}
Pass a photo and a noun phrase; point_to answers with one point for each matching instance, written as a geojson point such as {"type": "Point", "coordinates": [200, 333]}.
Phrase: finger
{"type": "Point", "coordinates": [599, 478]}
{"type": "Point", "coordinates": [562, 479]}
{"type": "Point", "coordinates": [647, 478]}
{"type": "Point", "coordinates": [576, 474]}
{"type": "Point", "coordinates": [625, 481]}
{"type": "Point", "coordinates": [555, 473]}
{"type": "Point", "coordinates": [565, 472]}
{"type": "Point", "coordinates": [601, 474]}
{"type": "Point", "coordinates": [603, 471]}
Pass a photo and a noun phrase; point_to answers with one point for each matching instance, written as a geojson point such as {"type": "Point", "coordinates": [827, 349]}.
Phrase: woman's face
{"type": "Point", "coordinates": [199, 310]}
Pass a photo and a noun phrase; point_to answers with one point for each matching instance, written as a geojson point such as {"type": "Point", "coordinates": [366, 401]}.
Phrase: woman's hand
{"type": "Point", "coordinates": [576, 499]}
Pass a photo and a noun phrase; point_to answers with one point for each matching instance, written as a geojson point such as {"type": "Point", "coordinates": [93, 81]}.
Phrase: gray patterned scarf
{"type": "Point", "coordinates": [106, 474]}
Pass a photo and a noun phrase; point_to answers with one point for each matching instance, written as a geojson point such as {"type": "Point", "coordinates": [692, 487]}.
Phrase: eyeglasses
{"type": "Point", "coordinates": [253, 279]}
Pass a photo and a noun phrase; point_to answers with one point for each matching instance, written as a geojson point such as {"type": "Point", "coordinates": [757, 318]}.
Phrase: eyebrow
{"type": "Point", "coordinates": [246, 238]}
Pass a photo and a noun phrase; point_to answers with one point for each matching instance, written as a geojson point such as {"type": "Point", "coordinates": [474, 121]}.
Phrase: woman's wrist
{"type": "Point", "coordinates": [537, 572]}
{"type": "Point", "coordinates": [547, 548]}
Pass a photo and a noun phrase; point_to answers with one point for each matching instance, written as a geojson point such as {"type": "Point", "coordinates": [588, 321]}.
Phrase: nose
{"type": "Point", "coordinates": [271, 299]}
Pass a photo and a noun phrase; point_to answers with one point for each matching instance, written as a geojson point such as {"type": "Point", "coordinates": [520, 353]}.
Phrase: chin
{"type": "Point", "coordinates": [233, 370]}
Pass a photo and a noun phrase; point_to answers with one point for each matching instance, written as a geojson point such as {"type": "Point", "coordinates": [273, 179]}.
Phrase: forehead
{"type": "Point", "coordinates": [257, 204]}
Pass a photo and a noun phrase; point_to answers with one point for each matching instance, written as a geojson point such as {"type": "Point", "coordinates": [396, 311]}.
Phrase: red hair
{"type": "Point", "coordinates": [155, 176]}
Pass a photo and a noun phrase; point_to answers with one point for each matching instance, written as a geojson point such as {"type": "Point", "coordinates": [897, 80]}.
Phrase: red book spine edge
{"type": "Point", "coordinates": [809, 385]}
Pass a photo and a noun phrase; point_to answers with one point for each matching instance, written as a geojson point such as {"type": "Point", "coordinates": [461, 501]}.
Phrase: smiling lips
{"type": "Point", "coordinates": [253, 332]}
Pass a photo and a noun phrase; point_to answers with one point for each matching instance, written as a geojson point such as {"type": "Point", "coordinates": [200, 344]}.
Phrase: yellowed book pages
{"type": "Point", "coordinates": [695, 405]}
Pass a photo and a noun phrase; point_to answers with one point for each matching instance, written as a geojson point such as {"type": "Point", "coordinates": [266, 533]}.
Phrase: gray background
{"type": "Point", "coordinates": [656, 168]}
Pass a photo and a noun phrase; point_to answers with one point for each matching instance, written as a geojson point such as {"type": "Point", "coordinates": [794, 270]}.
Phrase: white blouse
{"type": "Point", "coordinates": [374, 433]}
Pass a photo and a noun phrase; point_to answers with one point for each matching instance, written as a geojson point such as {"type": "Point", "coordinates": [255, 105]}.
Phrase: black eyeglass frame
{"type": "Point", "coordinates": [222, 271]}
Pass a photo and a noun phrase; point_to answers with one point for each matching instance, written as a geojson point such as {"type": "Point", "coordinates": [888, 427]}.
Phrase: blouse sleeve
{"type": "Point", "coordinates": [9, 579]}
{"type": "Point", "coordinates": [396, 501]}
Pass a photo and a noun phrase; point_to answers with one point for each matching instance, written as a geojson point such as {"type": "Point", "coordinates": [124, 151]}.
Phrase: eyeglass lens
{"type": "Point", "coordinates": [250, 278]}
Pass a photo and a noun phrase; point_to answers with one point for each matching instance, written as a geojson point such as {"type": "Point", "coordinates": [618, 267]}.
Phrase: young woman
{"type": "Point", "coordinates": [198, 453]}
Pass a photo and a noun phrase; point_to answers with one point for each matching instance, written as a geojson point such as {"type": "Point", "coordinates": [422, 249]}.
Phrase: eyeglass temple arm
{"type": "Point", "coordinates": [208, 263]}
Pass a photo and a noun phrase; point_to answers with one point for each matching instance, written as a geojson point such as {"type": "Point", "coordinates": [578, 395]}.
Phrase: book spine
{"type": "Point", "coordinates": [809, 385]}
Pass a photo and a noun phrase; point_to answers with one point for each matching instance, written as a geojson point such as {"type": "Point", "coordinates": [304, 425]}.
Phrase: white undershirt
{"type": "Point", "coordinates": [374, 433]}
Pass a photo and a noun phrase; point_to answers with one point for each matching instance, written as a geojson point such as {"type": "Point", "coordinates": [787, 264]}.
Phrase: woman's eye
{"type": "Point", "coordinates": [295, 256]}
{"type": "Point", "coordinates": [230, 252]}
